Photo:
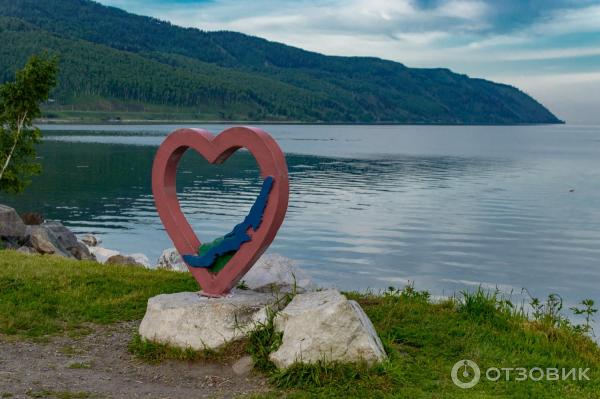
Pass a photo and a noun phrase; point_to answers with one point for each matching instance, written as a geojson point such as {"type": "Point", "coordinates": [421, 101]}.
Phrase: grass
{"type": "Point", "coordinates": [59, 395]}
{"type": "Point", "coordinates": [155, 352]}
{"type": "Point", "coordinates": [80, 366]}
{"type": "Point", "coordinates": [263, 340]}
{"type": "Point", "coordinates": [42, 295]}
{"type": "Point", "coordinates": [423, 338]}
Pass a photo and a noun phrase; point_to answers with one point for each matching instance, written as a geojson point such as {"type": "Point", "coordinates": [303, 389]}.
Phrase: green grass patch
{"type": "Point", "coordinates": [261, 342]}
{"type": "Point", "coordinates": [80, 366]}
{"type": "Point", "coordinates": [423, 338]}
{"type": "Point", "coordinates": [71, 350]}
{"type": "Point", "coordinates": [44, 393]}
{"type": "Point", "coordinates": [155, 352]}
{"type": "Point", "coordinates": [42, 295]}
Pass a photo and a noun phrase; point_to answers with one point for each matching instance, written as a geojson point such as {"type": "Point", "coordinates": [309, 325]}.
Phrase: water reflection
{"type": "Point", "coordinates": [344, 210]}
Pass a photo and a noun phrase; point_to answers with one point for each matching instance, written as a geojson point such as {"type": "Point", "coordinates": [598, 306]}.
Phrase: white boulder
{"type": "Point", "coordinates": [273, 272]}
{"type": "Point", "coordinates": [90, 240]}
{"type": "Point", "coordinates": [326, 326]}
{"type": "Point", "coordinates": [102, 254]}
{"type": "Point", "coordinates": [141, 259]}
{"type": "Point", "coordinates": [187, 319]}
{"type": "Point", "coordinates": [171, 260]}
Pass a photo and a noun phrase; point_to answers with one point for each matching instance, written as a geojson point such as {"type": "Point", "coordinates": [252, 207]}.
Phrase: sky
{"type": "Point", "coordinates": [548, 48]}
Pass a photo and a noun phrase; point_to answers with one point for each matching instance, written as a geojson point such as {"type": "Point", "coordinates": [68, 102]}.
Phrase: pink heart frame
{"type": "Point", "coordinates": [216, 150]}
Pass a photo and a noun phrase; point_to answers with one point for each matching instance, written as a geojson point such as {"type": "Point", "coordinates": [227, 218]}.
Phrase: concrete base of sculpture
{"type": "Point", "coordinates": [326, 326]}
{"type": "Point", "coordinates": [186, 319]}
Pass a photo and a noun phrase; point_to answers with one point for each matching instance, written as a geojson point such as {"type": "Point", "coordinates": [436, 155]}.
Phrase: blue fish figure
{"type": "Point", "coordinates": [233, 240]}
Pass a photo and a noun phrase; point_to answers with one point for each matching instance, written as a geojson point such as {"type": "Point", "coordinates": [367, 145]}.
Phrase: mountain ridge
{"type": "Point", "coordinates": [114, 61]}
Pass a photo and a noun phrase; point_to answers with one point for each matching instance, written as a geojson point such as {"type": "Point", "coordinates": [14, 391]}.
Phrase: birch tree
{"type": "Point", "coordinates": [19, 105]}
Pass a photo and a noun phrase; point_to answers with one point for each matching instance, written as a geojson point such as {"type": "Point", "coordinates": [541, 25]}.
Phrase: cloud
{"type": "Point", "coordinates": [380, 17]}
{"type": "Point", "coordinates": [551, 54]}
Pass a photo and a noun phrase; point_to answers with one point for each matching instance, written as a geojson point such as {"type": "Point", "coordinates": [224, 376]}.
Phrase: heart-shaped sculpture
{"type": "Point", "coordinates": [258, 233]}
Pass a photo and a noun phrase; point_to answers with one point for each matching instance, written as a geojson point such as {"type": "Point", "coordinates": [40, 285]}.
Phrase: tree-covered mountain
{"type": "Point", "coordinates": [116, 62]}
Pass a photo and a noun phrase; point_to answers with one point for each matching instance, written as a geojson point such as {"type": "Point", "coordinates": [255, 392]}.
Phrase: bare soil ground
{"type": "Point", "coordinates": [98, 365]}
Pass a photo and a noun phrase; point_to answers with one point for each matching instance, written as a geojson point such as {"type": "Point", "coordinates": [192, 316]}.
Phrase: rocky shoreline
{"type": "Point", "coordinates": [31, 234]}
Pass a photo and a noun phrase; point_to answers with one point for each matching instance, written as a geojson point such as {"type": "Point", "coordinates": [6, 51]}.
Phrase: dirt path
{"type": "Point", "coordinates": [98, 365]}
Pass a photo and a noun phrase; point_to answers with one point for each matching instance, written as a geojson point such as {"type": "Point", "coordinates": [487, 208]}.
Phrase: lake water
{"type": "Point", "coordinates": [370, 206]}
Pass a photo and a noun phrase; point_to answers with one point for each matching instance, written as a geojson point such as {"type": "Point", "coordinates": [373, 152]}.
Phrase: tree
{"type": "Point", "coordinates": [19, 104]}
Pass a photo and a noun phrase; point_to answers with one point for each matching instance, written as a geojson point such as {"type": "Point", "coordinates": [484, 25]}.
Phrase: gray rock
{"type": "Point", "coordinates": [54, 238]}
{"type": "Point", "coordinates": [32, 218]}
{"type": "Point", "coordinates": [187, 319]}
{"type": "Point", "coordinates": [11, 224]}
{"type": "Point", "coordinates": [64, 236]}
{"type": "Point", "coordinates": [171, 260]}
{"type": "Point", "coordinates": [11, 242]}
{"type": "Point", "coordinates": [45, 242]}
{"type": "Point", "coordinates": [122, 260]}
{"type": "Point", "coordinates": [324, 325]}
{"type": "Point", "coordinates": [81, 252]}
{"type": "Point", "coordinates": [90, 240]}
{"type": "Point", "coordinates": [273, 272]}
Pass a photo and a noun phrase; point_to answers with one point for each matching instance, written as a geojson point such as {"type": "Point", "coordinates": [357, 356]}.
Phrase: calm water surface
{"type": "Point", "coordinates": [371, 206]}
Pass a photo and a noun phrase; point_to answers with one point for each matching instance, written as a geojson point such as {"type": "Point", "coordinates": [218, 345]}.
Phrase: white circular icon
{"type": "Point", "coordinates": [465, 374]}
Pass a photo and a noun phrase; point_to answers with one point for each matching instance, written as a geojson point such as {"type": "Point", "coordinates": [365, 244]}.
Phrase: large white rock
{"type": "Point", "coordinates": [273, 272]}
{"type": "Point", "coordinates": [187, 319]}
{"type": "Point", "coordinates": [171, 260]}
{"type": "Point", "coordinates": [324, 325]}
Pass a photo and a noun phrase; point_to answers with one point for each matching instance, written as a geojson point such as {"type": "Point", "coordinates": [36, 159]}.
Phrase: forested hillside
{"type": "Point", "coordinates": [115, 63]}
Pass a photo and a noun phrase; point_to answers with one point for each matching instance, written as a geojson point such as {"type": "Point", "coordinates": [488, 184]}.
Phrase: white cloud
{"type": "Point", "coordinates": [586, 19]}
{"type": "Point", "coordinates": [371, 17]}
{"type": "Point", "coordinates": [474, 10]}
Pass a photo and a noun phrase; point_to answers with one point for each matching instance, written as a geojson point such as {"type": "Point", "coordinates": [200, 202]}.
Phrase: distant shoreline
{"type": "Point", "coordinates": [42, 122]}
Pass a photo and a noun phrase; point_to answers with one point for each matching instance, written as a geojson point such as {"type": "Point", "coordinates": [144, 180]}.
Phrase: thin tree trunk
{"type": "Point", "coordinates": [12, 150]}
